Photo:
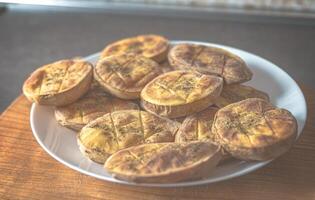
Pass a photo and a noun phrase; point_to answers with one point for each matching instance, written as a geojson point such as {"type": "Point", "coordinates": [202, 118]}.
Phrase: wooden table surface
{"type": "Point", "coordinates": [28, 172]}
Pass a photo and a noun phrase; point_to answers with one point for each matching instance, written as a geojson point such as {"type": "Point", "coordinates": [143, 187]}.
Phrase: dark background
{"type": "Point", "coordinates": [32, 36]}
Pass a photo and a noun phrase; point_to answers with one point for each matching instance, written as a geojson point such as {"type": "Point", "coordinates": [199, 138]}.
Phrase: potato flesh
{"type": "Point", "coordinates": [210, 60]}
{"type": "Point", "coordinates": [180, 87]}
{"type": "Point", "coordinates": [149, 46]}
{"type": "Point", "coordinates": [122, 129]}
{"type": "Point", "coordinates": [126, 72]}
{"type": "Point", "coordinates": [254, 129]}
{"type": "Point", "coordinates": [60, 76]}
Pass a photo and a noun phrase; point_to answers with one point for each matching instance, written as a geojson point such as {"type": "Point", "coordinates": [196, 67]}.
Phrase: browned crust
{"type": "Point", "coordinates": [253, 129]}
{"type": "Point", "coordinates": [128, 78]}
{"type": "Point", "coordinates": [169, 162]}
{"type": "Point", "coordinates": [121, 129]}
{"type": "Point", "coordinates": [235, 92]}
{"type": "Point", "coordinates": [151, 46]}
{"type": "Point", "coordinates": [59, 98]}
{"type": "Point", "coordinates": [210, 60]}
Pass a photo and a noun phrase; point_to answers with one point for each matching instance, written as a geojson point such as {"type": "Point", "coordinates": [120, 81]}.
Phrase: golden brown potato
{"type": "Point", "coordinates": [59, 83]}
{"type": "Point", "coordinates": [94, 104]}
{"type": "Point", "coordinates": [253, 129]}
{"type": "Point", "coordinates": [234, 93]}
{"type": "Point", "coordinates": [180, 93]}
{"type": "Point", "coordinates": [121, 129]}
{"type": "Point", "coordinates": [210, 60]}
{"type": "Point", "coordinates": [164, 162]}
{"type": "Point", "coordinates": [150, 46]}
{"type": "Point", "coordinates": [125, 75]}
{"type": "Point", "coordinates": [197, 127]}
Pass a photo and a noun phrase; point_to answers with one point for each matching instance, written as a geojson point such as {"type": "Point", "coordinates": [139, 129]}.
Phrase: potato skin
{"type": "Point", "coordinates": [210, 60]}
{"type": "Point", "coordinates": [78, 82]}
{"type": "Point", "coordinates": [177, 111]}
{"type": "Point", "coordinates": [253, 129]}
{"type": "Point", "coordinates": [163, 95]}
{"type": "Point", "coordinates": [151, 46]}
{"type": "Point", "coordinates": [125, 75]}
{"type": "Point", "coordinates": [164, 162]}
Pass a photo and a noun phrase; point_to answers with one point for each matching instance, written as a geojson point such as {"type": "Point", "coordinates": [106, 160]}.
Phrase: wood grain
{"type": "Point", "coordinates": [28, 172]}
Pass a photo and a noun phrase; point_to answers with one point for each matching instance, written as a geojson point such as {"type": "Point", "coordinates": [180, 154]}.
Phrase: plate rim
{"type": "Point", "coordinates": [178, 184]}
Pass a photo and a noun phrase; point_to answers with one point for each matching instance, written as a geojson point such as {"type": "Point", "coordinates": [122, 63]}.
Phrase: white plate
{"type": "Point", "coordinates": [61, 143]}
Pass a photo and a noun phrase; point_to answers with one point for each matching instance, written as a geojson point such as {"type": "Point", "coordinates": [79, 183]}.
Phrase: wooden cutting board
{"type": "Point", "coordinates": [28, 172]}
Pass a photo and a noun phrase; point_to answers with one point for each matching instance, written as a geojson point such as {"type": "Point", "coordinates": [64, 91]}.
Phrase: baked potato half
{"type": "Point", "coordinates": [95, 103]}
{"type": "Point", "coordinates": [180, 93]}
{"type": "Point", "coordinates": [121, 129]}
{"type": "Point", "coordinates": [125, 75]}
{"type": "Point", "coordinates": [210, 60]}
{"type": "Point", "coordinates": [59, 83]}
{"type": "Point", "coordinates": [164, 162]}
{"type": "Point", "coordinates": [154, 47]}
{"type": "Point", "coordinates": [253, 129]}
{"type": "Point", "coordinates": [197, 127]}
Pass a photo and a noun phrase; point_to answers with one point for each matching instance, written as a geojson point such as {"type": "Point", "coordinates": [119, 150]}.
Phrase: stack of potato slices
{"type": "Point", "coordinates": [155, 113]}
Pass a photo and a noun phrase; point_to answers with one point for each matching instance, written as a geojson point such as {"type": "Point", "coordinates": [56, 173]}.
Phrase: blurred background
{"type": "Point", "coordinates": [33, 33]}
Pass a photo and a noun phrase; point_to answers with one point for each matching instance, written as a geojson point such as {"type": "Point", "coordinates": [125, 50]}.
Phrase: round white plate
{"type": "Point", "coordinates": [60, 142]}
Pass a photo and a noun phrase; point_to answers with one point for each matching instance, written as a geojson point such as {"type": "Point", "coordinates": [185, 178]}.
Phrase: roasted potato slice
{"type": "Point", "coordinates": [94, 104]}
{"type": "Point", "coordinates": [197, 126]}
{"type": "Point", "coordinates": [236, 92]}
{"type": "Point", "coordinates": [210, 60]}
{"type": "Point", "coordinates": [253, 129]}
{"type": "Point", "coordinates": [180, 93]}
{"type": "Point", "coordinates": [164, 162]}
{"type": "Point", "coordinates": [59, 83]}
{"type": "Point", "coordinates": [125, 75]}
{"type": "Point", "coordinates": [121, 129]}
{"type": "Point", "coordinates": [150, 46]}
